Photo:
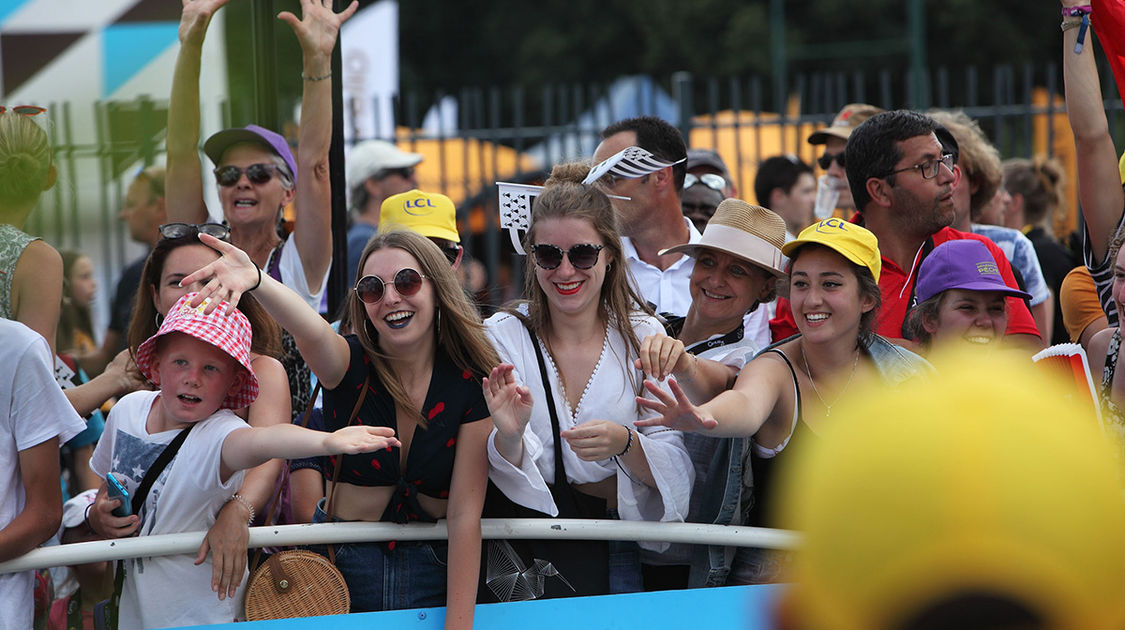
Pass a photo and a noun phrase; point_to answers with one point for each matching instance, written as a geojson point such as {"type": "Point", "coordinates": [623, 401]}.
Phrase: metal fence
{"type": "Point", "coordinates": [485, 134]}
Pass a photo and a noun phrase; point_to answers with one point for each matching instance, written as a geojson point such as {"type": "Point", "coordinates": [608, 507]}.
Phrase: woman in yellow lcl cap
{"type": "Point", "coordinates": [786, 394]}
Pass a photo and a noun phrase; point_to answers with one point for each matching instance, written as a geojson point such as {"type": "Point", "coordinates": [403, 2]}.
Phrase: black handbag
{"type": "Point", "coordinates": [531, 569]}
{"type": "Point", "coordinates": [106, 612]}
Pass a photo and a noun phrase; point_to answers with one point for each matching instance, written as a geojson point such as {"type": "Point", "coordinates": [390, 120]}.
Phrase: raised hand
{"type": "Point", "coordinates": [662, 356]}
{"type": "Point", "coordinates": [360, 439]}
{"type": "Point", "coordinates": [195, 19]}
{"type": "Point", "coordinates": [596, 440]}
{"type": "Point", "coordinates": [676, 411]}
{"type": "Point", "coordinates": [509, 403]}
{"type": "Point", "coordinates": [229, 277]}
{"type": "Point", "coordinates": [318, 27]}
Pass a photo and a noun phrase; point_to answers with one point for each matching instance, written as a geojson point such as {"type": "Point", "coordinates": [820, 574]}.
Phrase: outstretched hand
{"type": "Point", "coordinates": [509, 403]}
{"type": "Point", "coordinates": [195, 19]}
{"type": "Point", "coordinates": [224, 279]}
{"type": "Point", "coordinates": [676, 411]}
{"type": "Point", "coordinates": [318, 27]}
{"type": "Point", "coordinates": [360, 439]}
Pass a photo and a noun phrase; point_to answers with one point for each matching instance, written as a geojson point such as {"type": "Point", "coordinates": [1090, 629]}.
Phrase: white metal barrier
{"type": "Point", "coordinates": [334, 533]}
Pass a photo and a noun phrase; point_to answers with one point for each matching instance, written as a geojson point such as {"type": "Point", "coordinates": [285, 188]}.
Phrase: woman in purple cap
{"type": "Point", "coordinates": [256, 173]}
{"type": "Point", "coordinates": [961, 297]}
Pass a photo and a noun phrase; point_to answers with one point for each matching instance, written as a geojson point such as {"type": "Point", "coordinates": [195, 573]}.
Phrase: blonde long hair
{"type": "Point", "coordinates": [458, 329]}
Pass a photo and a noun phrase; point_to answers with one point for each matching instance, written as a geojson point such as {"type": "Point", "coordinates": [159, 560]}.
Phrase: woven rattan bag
{"type": "Point", "coordinates": [296, 582]}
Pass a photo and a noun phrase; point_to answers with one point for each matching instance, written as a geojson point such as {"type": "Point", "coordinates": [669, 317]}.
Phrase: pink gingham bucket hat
{"type": "Point", "coordinates": [230, 333]}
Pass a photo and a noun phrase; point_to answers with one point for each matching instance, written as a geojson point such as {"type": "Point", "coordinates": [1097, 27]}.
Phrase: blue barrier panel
{"type": "Point", "coordinates": [742, 607]}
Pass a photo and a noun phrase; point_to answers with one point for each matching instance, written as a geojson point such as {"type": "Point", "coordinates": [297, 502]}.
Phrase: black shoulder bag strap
{"type": "Point", "coordinates": [564, 494]}
{"type": "Point", "coordinates": [111, 607]}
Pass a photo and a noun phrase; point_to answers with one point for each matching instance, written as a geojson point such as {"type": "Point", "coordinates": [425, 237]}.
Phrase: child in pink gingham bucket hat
{"type": "Point", "coordinates": [230, 333]}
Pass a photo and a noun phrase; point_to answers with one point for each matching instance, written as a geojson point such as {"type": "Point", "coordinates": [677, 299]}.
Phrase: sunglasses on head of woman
{"type": "Point", "coordinates": [582, 255]}
{"type": "Point", "coordinates": [26, 110]}
{"type": "Point", "coordinates": [710, 180]}
{"type": "Point", "coordinates": [371, 289]}
{"type": "Point", "coordinates": [179, 230]}
{"type": "Point", "coordinates": [257, 174]}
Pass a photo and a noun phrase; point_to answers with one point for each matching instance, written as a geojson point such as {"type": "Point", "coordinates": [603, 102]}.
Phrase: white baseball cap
{"type": "Point", "coordinates": [371, 156]}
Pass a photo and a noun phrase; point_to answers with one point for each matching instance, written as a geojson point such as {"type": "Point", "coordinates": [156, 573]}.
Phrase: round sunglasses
{"type": "Point", "coordinates": [180, 230]}
{"type": "Point", "coordinates": [258, 174]}
{"type": "Point", "coordinates": [582, 255]}
{"type": "Point", "coordinates": [371, 289]}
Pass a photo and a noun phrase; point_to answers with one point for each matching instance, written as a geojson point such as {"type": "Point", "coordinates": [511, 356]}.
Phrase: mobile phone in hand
{"type": "Point", "coordinates": [118, 491]}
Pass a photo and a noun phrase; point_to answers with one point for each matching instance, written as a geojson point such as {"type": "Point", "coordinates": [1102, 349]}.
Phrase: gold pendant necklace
{"type": "Point", "coordinates": [828, 407]}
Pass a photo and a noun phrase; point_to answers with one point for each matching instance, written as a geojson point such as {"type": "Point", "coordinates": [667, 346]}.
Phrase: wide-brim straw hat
{"type": "Point", "coordinates": [751, 233]}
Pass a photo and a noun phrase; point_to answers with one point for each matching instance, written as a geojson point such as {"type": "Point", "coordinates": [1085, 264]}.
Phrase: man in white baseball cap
{"type": "Point", "coordinates": [376, 170]}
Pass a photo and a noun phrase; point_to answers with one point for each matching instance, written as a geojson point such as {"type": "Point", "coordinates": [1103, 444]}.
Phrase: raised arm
{"type": "Point", "coordinates": [183, 191]}
{"type": "Point", "coordinates": [317, 31]}
{"type": "Point", "coordinates": [1099, 181]}
{"type": "Point", "coordinates": [234, 273]}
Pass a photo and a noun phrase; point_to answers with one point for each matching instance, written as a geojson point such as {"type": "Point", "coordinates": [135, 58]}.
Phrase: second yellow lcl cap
{"type": "Point", "coordinates": [854, 242]}
{"type": "Point", "coordinates": [429, 214]}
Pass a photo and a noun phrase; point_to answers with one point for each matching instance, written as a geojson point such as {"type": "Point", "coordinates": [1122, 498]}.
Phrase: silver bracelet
{"type": "Point", "coordinates": [245, 503]}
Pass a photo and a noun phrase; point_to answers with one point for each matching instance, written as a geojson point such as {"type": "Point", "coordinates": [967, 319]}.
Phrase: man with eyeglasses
{"type": "Point", "coordinates": [376, 170]}
{"type": "Point", "coordinates": [651, 217]}
{"type": "Point", "coordinates": [833, 186]}
{"type": "Point", "coordinates": [902, 182]}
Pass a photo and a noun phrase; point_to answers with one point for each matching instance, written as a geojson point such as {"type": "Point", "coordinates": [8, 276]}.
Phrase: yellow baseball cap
{"type": "Point", "coordinates": [852, 241]}
{"type": "Point", "coordinates": [965, 484]}
{"type": "Point", "coordinates": [429, 214]}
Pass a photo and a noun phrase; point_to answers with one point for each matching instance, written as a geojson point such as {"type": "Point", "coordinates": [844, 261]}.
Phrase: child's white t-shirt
{"type": "Point", "coordinates": [170, 591]}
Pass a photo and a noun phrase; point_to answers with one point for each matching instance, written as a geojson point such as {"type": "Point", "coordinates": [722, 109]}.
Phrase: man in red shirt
{"type": "Point", "coordinates": [902, 182]}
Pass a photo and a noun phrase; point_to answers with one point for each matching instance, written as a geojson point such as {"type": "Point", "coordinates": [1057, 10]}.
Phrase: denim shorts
{"type": "Point", "coordinates": [390, 576]}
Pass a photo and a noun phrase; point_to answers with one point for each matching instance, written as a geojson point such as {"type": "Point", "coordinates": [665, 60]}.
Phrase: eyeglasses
{"type": "Point", "coordinates": [929, 168]}
{"type": "Point", "coordinates": [258, 174]}
{"type": "Point", "coordinates": [582, 255]}
{"type": "Point", "coordinates": [710, 180]}
{"type": "Point", "coordinates": [371, 289]}
{"type": "Point", "coordinates": [180, 230]}
{"type": "Point", "coordinates": [825, 161]}
{"type": "Point", "coordinates": [26, 110]}
{"type": "Point", "coordinates": [406, 172]}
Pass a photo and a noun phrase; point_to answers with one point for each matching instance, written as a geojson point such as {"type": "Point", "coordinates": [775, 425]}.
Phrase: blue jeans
{"type": "Point", "coordinates": [390, 576]}
{"type": "Point", "coordinates": [624, 563]}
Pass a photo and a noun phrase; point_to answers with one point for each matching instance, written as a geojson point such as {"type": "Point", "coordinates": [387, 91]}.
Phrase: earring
{"type": "Point", "coordinates": [437, 322]}
{"type": "Point", "coordinates": [159, 319]}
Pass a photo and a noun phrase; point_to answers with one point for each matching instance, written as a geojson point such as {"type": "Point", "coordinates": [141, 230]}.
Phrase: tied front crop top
{"type": "Point", "coordinates": [454, 397]}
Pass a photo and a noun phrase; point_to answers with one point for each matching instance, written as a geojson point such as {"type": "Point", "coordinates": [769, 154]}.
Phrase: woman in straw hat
{"type": "Point", "coordinates": [563, 401]}
{"type": "Point", "coordinates": [737, 263]}
{"type": "Point", "coordinates": [787, 393]}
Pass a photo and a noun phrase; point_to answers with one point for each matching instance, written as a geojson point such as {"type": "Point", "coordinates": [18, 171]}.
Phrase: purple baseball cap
{"type": "Point", "coordinates": [218, 143]}
{"type": "Point", "coordinates": [961, 264]}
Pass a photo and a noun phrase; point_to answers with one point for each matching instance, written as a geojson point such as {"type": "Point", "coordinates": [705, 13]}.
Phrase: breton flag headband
{"type": "Point", "coordinates": [515, 208]}
{"type": "Point", "coordinates": [630, 163]}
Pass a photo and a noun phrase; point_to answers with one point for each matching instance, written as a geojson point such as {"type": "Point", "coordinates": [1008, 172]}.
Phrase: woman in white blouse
{"type": "Point", "coordinates": [583, 317]}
